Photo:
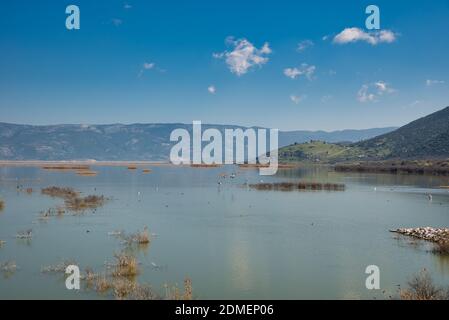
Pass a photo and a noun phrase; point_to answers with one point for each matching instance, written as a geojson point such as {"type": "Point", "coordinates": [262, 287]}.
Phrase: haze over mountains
{"type": "Point", "coordinates": [134, 142]}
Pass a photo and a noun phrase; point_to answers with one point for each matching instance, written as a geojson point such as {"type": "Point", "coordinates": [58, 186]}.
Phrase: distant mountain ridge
{"type": "Point", "coordinates": [133, 142]}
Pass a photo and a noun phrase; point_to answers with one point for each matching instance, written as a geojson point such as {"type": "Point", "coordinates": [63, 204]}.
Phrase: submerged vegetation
{"type": "Point", "coordinates": [302, 186]}
{"type": "Point", "coordinates": [2, 205]}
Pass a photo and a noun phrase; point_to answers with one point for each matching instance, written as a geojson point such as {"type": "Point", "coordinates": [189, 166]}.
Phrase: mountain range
{"type": "Point", "coordinates": [133, 142]}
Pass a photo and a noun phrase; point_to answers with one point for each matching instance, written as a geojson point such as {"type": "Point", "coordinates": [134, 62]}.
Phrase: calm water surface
{"type": "Point", "coordinates": [231, 241]}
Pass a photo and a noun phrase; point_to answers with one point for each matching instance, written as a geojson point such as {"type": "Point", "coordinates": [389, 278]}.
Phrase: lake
{"type": "Point", "coordinates": [233, 242]}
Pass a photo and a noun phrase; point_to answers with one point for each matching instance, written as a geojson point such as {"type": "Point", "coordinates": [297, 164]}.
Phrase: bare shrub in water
{"type": "Point", "coordinates": [421, 287]}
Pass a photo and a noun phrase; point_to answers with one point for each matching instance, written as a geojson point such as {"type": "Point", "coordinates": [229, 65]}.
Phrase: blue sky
{"type": "Point", "coordinates": [175, 61]}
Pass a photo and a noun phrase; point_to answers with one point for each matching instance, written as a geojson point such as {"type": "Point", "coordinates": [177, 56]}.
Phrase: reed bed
{"type": "Point", "coordinates": [89, 202]}
{"type": "Point", "coordinates": [72, 199]}
{"type": "Point", "coordinates": [58, 192]}
{"type": "Point", "coordinates": [301, 186]}
{"type": "Point", "coordinates": [203, 165]}
{"type": "Point", "coordinates": [87, 173]}
{"type": "Point", "coordinates": [140, 237]}
{"type": "Point", "coordinates": [126, 266]}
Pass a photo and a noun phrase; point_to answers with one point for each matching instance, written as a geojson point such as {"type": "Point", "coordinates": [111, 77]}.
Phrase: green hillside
{"type": "Point", "coordinates": [319, 151]}
{"type": "Point", "coordinates": [427, 137]}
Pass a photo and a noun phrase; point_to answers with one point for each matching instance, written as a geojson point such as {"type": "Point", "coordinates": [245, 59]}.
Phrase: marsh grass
{"type": "Point", "coordinates": [422, 287]}
{"type": "Point", "coordinates": [58, 192]}
{"type": "Point", "coordinates": [126, 266]}
{"type": "Point", "coordinates": [86, 173]}
{"type": "Point", "coordinates": [146, 171]}
{"type": "Point", "coordinates": [89, 202]}
{"type": "Point", "coordinates": [174, 293]}
{"type": "Point", "coordinates": [26, 234]}
{"type": "Point", "coordinates": [67, 167]}
{"type": "Point", "coordinates": [8, 268]}
{"type": "Point", "coordinates": [301, 186]}
{"type": "Point", "coordinates": [140, 237]}
{"type": "Point", "coordinates": [58, 268]}
{"type": "Point", "coordinates": [72, 199]}
{"type": "Point", "coordinates": [202, 165]}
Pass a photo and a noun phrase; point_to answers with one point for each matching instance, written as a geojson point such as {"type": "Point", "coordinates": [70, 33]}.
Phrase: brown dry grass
{"type": "Point", "coordinates": [174, 293]}
{"type": "Point", "coordinates": [58, 192]}
{"type": "Point", "coordinates": [421, 287]}
{"type": "Point", "coordinates": [202, 165]}
{"type": "Point", "coordinates": [126, 266]}
{"type": "Point", "coordinates": [89, 202]}
{"type": "Point", "coordinates": [290, 186]}
{"type": "Point", "coordinates": [132, 167]}
{"type": "Point", "coordinates": [86, 173]}
{"type": "Point", "coordinates": [147, 171]}
{"type": "Point", "coordinates": [65, 167]}
{"type": "Point", "coordinates": [72, 199]}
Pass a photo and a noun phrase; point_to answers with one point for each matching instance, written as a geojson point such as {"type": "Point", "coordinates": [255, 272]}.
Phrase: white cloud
{"type": "Point", "coordinates": [433, 82]}
{"type": "Point", "coordinates": [296, 99]}
{"type": "Point", "coordinates": [146, 66]}
{"type": "Point", "coordinates": [117, 22]}
{"type": "Point", "coordinates": [127, 6]}
{"type": "Point", "coordinates": [212, 89]}
{"type": "Point", "coordinates": [326, 98]}
{"type": "Point", "coordinates": [244, 55]}
{"type": "Point", "coordinates": [349, 35]}
{"type": "Point", "coordinates": [371, 92]}
{"type": "Point", "coordinates": [304, 70]}
{"type": "Point", "coordinates": [303, 45]}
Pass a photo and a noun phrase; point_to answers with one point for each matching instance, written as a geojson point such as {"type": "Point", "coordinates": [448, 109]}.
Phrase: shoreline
{"type": "Point", "coordinates": [42, 163]}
